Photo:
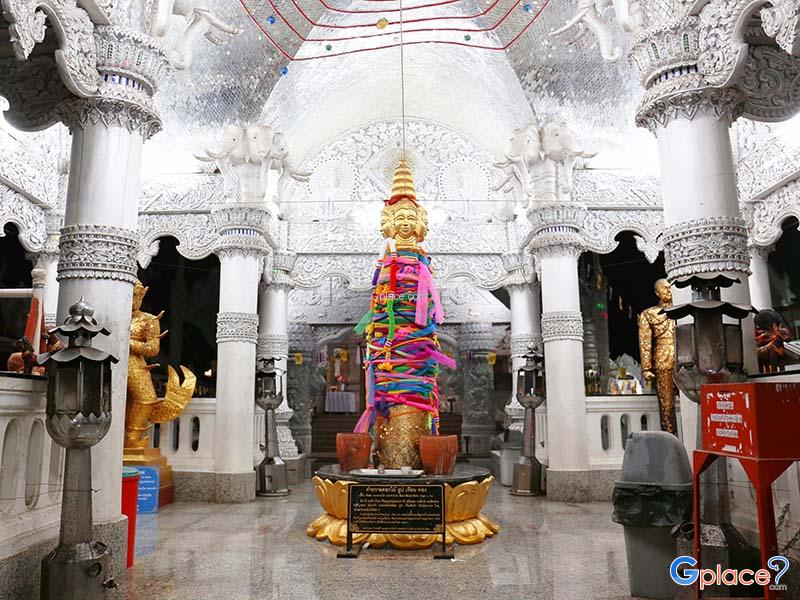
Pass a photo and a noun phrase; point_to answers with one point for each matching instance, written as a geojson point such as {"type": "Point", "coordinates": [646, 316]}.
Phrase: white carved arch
{"type": "Point", "coordinates": [195, 232]}
{"type": "Point", "coordinates": [765, 217]}
{"type": "Point", "coordinates": [29, 219]}
{"type": "Point", "coordinates": [601, 227]}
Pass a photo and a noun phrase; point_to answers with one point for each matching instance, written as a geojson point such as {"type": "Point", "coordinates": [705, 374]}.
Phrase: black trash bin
{"type": "Point", "coordinates": [653, 494]}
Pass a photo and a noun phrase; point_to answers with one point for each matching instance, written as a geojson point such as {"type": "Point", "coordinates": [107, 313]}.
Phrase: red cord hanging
{"type": "Point", "coordinates": [387, 46]}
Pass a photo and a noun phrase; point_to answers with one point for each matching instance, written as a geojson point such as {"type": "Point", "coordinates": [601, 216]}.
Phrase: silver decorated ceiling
{"type": "Point", "coordinates": [232, 83]}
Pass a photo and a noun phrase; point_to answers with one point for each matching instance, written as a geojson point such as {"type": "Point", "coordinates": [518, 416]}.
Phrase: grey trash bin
{"type": "Point", "coordinates": [653, 494]}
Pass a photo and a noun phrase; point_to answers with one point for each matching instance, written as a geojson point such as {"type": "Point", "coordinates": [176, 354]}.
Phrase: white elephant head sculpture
{"type": "Point", "coordinates": [525, 152]}
{"type": "Point", "coordinates": [559, 142]}
{"type": "Point", "coordinates": [589, 16]}
{"type": "Point", "coordinates": [232, 147]}
{"type": "Point", "coordinates": [560, 145]}
{"type": "Point", "coordinates": [246, 154]}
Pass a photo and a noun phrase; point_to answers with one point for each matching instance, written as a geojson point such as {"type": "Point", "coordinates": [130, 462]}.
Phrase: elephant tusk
{"type": "Point", "coordinates": [204, 158]}
{"type": "Point", "coordinates": [579, 16]}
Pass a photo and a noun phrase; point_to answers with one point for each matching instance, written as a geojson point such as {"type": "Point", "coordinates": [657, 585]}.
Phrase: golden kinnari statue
{"type": "Point", "coordinates": [143, 407]}
{"type": "Point", "coordinates": [658, 361]}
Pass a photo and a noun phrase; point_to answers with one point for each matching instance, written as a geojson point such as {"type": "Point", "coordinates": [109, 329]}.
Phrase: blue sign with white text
{"type": "Point", "coordinates": [148, 490]}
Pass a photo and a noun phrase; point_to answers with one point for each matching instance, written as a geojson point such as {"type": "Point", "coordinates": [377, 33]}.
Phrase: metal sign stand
{"type": "Point", "coordinates": [352, 550]}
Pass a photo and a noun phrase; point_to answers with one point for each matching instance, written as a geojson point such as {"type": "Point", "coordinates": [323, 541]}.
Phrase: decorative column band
{"type": "Point", "coordinates": [520, 342]}
{"type": "Point", "coordinates": [562, 325]}
{"type": "Point", "coordinates": [272, 345]}
{"type": "Point", "coordinates": [97, 252]}
{"type": "Point", "coordinates": [476, 337]}
{"type": "Point", "coordinates": [705, 246]}
{"type": "Point", "coordinates": [237, 327]}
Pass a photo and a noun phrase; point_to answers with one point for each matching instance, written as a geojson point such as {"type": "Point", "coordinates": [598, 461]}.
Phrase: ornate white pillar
{"type": "Point", "coordinates": [241, 250]}
{"type": "Point", "coordinates": [299, 388]}
{"type": "Point", "coordinates": [273, 337]}
{"type": "Point", "coordinates": [525, 326]}
{"type": "Point", "coordinates": [48, 260]}
{"type": "Point", "coordinates": [557, 244]}
{"type": "Point", "coordinates": [475, 341]}
{"type": "Point", "coordinates": [98, 241]}
{"type": "Point", "coordinates": [760, 292]}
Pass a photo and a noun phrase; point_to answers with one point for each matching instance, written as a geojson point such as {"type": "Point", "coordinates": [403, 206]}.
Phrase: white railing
{"type": "Point", "coordinates": [188, 442]}
{"type": "Point", "coordinates": [31, 467]}
{"type": "Point", "coordinates": [609, 420]}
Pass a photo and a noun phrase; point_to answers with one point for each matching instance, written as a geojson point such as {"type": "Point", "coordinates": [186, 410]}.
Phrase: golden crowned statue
{"type": "Point", "coordinates": [143, 407]}
{"type": "Point", "coordinates": [658, 359]}
{"type": "Point", "coordinates": [403, 353]}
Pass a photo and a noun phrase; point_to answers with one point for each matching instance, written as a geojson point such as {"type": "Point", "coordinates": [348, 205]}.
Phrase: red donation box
{"type": "Point", "coordinates": [752, 420]}
{"type": "Point", "coordinates": [755, 423]}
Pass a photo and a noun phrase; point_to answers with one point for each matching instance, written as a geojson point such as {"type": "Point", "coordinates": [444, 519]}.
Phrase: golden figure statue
{"type": "Point", "coordinates": [658, 361]}
{"type": "Point", "coordinates": [143, 407]}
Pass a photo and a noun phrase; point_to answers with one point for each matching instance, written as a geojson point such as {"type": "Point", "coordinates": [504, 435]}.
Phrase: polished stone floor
{"type": "Point", "coordinates": [545, 550]}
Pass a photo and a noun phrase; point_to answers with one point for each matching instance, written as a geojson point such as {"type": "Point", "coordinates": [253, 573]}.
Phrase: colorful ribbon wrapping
{"type": "Point", "coordinates": [403, 353]}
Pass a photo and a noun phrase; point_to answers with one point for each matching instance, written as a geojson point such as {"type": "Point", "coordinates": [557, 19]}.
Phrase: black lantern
{"type": "Point", "coordinates": [530, 394]}
{"type": "Point", "coordinates": [271, 473]}
{"type": "Point", "coordinates": [708, 350]}
{"type": "Point", "coordinates": [78, 416]}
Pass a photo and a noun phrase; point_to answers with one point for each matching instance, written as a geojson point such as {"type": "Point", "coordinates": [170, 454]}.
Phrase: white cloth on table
{"type": "Point", "coordinates": [342, 402]}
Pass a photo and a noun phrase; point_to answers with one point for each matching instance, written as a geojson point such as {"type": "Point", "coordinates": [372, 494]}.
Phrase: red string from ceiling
{"type": "Point", "coordinates": [394, 45]}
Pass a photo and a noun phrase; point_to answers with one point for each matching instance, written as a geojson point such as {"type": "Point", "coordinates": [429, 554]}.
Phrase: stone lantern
{"type": "Point", "coordinates": [271, 473]}
{"type": "Point", "coordinates": [530, 394]}
{"type": "Point", "coordinates": [78, 417]}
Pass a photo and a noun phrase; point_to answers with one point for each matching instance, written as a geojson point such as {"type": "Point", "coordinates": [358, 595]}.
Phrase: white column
{"type": "Point", "coordinates": [760, 292]}
{"type": "Point", "coordinates": [705, 232]}
{"type": "Point", "coordinates": [48, 260]}
{"type": "Point", "coordinates": [562, 333]}
{"type": "Point", "coordinates": [273, 339]}
{"type": "Point", "coordinates": [98, 262]}
{"type": "Point", "coordinates": [241, 250]}
{"type": "Point", "coordinates": [525, 332]}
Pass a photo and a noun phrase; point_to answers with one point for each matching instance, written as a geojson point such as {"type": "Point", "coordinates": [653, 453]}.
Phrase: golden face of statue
{"type": "Point", "coordinates": [405, 222]}
{"type": "Point", "coordinates": [138, 295]}
{"type": "Point", "coordinates": [664, 291]}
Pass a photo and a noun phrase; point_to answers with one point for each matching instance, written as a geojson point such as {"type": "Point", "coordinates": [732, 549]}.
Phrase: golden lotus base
{"type": "Point", "coordinates": [152, 457]}
{"type": "Point", "coordinates": [463, 503]}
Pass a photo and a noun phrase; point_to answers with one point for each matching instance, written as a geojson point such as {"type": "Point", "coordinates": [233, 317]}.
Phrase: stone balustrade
{"type": "Point", "coordinates": [31, 468]}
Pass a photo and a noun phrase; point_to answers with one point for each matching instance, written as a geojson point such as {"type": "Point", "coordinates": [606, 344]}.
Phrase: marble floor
{"type": "Point", "coordinates": [545, 550]}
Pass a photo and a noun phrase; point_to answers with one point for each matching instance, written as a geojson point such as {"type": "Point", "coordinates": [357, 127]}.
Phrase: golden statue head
{"type": "Point", "coordinates": [402, 218]}
{"type": "Point", "coordinates": [139, 291]}
{"type": "Point", "coordinates": [663, 292]}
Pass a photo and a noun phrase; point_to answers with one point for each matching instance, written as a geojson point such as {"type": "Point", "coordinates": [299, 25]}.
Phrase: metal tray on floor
{"type": "Point", "coordinates": [387, 473]}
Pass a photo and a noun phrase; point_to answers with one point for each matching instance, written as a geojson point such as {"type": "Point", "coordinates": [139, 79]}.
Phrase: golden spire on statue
{"type": "Point", "coordinates": [403, 183]}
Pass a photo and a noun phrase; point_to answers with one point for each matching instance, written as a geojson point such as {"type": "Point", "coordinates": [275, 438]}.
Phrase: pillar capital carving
{"type": "Point", "coordinates": [661, 106]}
{"type": "Point", "coordinates": [562, 325]}
{"type": "Point", "coordinates": [476, 337]}
{"type": "Point", "coordinates": [557, 229]}
{"type": "Point", "coordinates": [237, 327]}
{"type": "Point", "coordinates": [705, 246]}
{"type": "Point", "coordinates": [97, 252]}
{"type": "Point", "coordinates": [280, 273]}
{"type": "Point", "coordinates": [242, 229]}
{"type": "Point", "coordinates": [129, 65]}
{"type": "Point", "coordinates": [760, 252]}
{"type": "Point", "coordinates": [519, 267]}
